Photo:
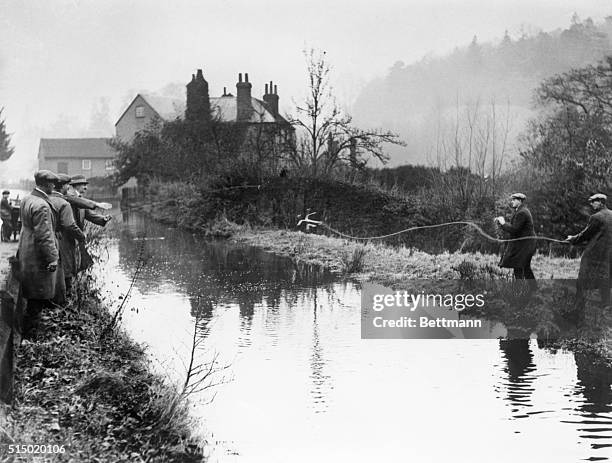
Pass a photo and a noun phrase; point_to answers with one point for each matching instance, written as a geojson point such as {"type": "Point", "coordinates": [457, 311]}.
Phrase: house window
{"type": "Point", "coordinates": [62, 167]}
{"type": "Point", "coordinates": [139, 111]}
{"type": "Point", "coordinates": [109, 164]}
{"type": "Point", "coordinates": [86, 164]}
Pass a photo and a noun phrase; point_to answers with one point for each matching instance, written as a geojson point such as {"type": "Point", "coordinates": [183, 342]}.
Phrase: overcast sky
{"type": "Point", "coordinates": [59, 57]}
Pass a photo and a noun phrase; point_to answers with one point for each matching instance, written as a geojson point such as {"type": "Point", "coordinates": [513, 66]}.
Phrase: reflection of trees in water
{"type": "Point", "coordinates": [219, 273]}
{"type": "Point", "coordinates": [519, 368]}
{"type": "Point", "coordinates": [594, 385]}
{"type": "Point", "coordinates": [317, 363]}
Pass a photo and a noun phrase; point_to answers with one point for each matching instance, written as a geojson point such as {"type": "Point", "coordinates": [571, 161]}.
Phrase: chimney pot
{"type": "Point", "coordinates": [200, 74]}
{"type": "Point", "coordinates": [266, 89]}
{"type": "Point", "coordinates": [275, 90]}
{"type": "Point", "coordinates": [224, 91]}
{"type": "Point", "coordinates": [246, 76]}
{"type": "Point", "coordinates": [240, 77]}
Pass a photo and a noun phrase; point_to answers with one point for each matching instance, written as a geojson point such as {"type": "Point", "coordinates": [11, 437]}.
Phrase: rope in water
{"type": "Point", "coordinates": [446, 224]}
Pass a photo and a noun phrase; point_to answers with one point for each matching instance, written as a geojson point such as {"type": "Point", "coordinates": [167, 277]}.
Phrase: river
{"type": "Point", "coordinates": [296, 383]}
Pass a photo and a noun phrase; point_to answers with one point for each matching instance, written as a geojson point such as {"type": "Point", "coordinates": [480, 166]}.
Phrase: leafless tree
{"type": "Point", "coordinates": [325, 136]}
{"type": "Point", "coordinates": [474, 146]}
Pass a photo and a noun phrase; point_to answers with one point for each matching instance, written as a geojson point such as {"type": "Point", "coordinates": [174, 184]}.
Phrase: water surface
{"type": "Point", "coordinates": [301, 386]}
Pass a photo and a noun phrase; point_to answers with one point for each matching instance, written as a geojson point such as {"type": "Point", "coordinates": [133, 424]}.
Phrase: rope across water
{"type": "Point", "coordinates": [446, 224]}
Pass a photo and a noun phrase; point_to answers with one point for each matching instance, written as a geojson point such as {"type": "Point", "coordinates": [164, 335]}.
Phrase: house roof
{"type": "Point", "coordinates": [75, 148]}
{"type": "Point", "coordinates": [168, 108]}
{"type": "Point", "coordinates": [225, 107]}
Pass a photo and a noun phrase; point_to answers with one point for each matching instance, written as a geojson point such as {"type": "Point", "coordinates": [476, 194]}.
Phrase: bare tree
{"type": "Point", "coordinates": [474, 148]}
{"type": "Point", "coordinates": [325, 136]}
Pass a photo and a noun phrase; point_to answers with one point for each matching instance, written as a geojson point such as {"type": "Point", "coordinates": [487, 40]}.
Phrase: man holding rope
{"type": "Point", "coordinates": [518, 254]}
{"type": "Point", "coordinates": [596, 262]}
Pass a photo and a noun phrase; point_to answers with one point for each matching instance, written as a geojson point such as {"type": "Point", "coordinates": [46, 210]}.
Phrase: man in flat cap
{"type": "Point", "coordinates": [517, 254]}
{"type": "Point", "coordinates": [6, 216]}
{"type": "Point", "coordinates": [83, 210]}
{"type": "Point", "coordinates": [596, 262]}
{"type": "Point", "coordinates": [68, 234]}
{"type": "Point", "coordinates": [38, 251]}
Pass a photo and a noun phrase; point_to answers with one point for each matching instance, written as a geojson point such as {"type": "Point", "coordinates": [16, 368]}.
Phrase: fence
{"type": "Point", "coordinates": [12, 309]}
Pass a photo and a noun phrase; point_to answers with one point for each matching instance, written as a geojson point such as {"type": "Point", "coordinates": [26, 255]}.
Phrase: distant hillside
{"type": "Point", "coordinates": [426, 100]}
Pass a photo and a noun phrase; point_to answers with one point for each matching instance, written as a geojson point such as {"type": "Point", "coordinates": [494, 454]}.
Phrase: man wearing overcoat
{"type": "Point", "coordinates": [6, 214]}
{"type": "Point", "coordinates": [38, 250]}
{"type": "Point", "coordinates": [83, 210]}
{"type": "Point", "coordinates": [68, 234]}
{"type": "Point", "coordinates": [517, 254]}
{"type": "Point", "coordinates": [596, 262]}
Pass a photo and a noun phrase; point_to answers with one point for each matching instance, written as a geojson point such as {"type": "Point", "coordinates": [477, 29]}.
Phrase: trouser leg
{"type": "Point", "coordinates": [33, 313]}
{"type": "Point", "coordinates": [604, 292]}
{"type": "Point", "coordinates": [519, 273]}
{"type": "Point", "coordinates": [68, 281]}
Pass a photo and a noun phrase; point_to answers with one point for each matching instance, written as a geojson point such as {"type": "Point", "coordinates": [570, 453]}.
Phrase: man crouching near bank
{"type": "Point", "coordinates": [518, 254]}
{"type": "Point", "coordinates": [38, 251]}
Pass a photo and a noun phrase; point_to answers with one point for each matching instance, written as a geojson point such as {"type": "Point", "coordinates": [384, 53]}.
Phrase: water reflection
{"type": "Point", "coordinates": [519, 368]}
{"type": "Point", "coordinates": [307, 388]}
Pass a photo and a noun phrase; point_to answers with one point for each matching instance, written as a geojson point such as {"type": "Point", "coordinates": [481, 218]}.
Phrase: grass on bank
{"type": "Point", "coordinates": [99, 399]}
{"type": "Point", "coordinates": [375, 261]}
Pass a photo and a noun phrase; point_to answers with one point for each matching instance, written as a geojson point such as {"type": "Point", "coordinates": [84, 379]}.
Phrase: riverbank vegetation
{"type": "Point", "coordinates": [89, 389]}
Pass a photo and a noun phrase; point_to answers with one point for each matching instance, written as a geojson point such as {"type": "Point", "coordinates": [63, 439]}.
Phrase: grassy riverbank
{"type": "Point", "coordinates": [389, 265]}
{"type": "Point", "coordinates": [88, 388]}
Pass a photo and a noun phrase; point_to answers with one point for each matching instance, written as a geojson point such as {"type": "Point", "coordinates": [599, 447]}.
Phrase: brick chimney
{"type": "Point", "coordinates": [271, 98]}
{"type": "Point", "coordinates": [243, 99]}
{"type": "Point", "coordinates": [198, 101]}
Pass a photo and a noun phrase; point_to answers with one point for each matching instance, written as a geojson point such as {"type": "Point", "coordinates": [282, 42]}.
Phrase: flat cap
{"type": "Point", "coordinates": [6, 192]}
{"type": "Point", "coordinates": [520, 196]}
{"type": "Point", "coordinates": [45, 176]}
{"type": "Point", "coordinates": [63, 179]}
{"type": "Point", "coordinates": [78, 180]}
{"type": "Point", "coordinates": [598, 197]}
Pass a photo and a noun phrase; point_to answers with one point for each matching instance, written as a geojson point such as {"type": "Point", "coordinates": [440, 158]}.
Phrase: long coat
{"type": "Point", "coordinates": [68, 233]}
{"type": "Point", "coordinates": [38, 247]}
{"type": "Point", "coordinates": [518, 254]}
{"type": "Point", "coordinates": [596, 262]}
{"type": "Point", "coordinates": [6, 211]}
{"type": "Point", "coordinates": [83, 210]}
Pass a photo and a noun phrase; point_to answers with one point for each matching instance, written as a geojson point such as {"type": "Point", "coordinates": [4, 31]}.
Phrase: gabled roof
{"type": "Point", "coordinates": [168, 108]}
{"type": "Point", "coordinates": [75, 148]}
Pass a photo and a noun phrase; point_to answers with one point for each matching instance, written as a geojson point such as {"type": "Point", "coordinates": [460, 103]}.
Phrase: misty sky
{"type": "Point", "coordinates": [59, 57]}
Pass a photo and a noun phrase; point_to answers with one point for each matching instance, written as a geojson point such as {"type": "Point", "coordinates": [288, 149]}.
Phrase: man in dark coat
{"type": "Point", "coordinates": [84, 210]}
{"type": "Point", "coordinates": [6, 214]}
{"type": "Point", "coordinates": [38, 253]}
{"type": "Point", "coordinates": [517, 254]}
{"type": "Point", "coordinates": [596, 262]}
{"type": "Point", "coordinates": [68, 234]}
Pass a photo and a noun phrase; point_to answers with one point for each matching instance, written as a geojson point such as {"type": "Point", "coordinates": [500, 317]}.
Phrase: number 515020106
{"type": "Point", "coordinates": [12, 449]}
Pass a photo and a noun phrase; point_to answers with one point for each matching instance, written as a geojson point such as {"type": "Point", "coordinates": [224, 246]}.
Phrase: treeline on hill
{"type": "Point", "coordinates": [565, 157]}
{"type": "Point", "coordinates": [420, 100]}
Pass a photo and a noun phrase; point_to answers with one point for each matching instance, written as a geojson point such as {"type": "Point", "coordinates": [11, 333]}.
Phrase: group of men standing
{"type": "Point", "coordinates": [596, 262]}
{"type": "Point", "coordinates": [52, 241]}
